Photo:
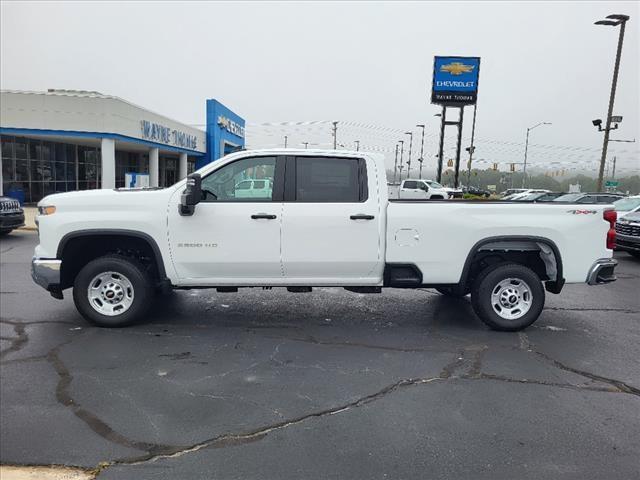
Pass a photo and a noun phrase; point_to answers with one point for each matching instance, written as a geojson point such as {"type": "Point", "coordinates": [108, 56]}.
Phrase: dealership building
{"type": "Point", "coordinates": [65, 140]}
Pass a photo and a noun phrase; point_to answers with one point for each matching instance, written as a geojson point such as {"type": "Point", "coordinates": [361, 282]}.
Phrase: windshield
{"type": "Point", "coordinates": [433, 184]}
{"type": "Point", "coordinates": [569, 197]}
{"type": "Point", "coordinates": [626, 204]}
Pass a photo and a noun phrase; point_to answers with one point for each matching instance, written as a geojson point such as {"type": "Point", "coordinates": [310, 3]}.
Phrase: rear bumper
{"type": "Point", "coordinates": [46, 273]}
{"type": "Point", "coordinates": [602, 271]}
{"type": "Point", "coordinates": [11, 221]}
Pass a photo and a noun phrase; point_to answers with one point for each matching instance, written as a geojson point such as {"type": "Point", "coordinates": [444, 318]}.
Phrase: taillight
{"type": "Point", "coordinates": [611, 217]}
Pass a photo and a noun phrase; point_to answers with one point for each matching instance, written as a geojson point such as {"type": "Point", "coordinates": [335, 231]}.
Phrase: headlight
{"type": "Point", "coordinates": [46, 210]}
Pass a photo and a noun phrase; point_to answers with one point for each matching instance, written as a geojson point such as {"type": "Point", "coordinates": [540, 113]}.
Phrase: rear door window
{"type": "Point", "coordinates": [329, 180]}
{"type": "Point", "coordinates": [411, 184]}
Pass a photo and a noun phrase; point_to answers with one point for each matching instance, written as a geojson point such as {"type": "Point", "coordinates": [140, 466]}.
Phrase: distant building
{"type": "Point", "coordinates": [65, 140]}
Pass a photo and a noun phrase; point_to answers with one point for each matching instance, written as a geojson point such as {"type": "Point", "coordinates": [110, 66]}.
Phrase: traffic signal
{"type": "Point", "coordinates": [450, 163]}
{"type": "Point", "coordinates": [495, 166]}
{"type": "Point", "coordinates": [513, 167]}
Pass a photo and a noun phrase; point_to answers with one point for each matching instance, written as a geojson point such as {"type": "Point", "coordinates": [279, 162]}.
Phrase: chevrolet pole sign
{"type": "Point", "coordinates": [455, 81]}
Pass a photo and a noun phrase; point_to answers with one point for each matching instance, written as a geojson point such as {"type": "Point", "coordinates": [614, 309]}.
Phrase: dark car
{"type": "Point", "coordinates": [477, 191]}
{"type": "Point", "coordinates": [628, 234]}
{"type": "Point", "coordinates": [11, 215]}
{"type": "Point", "coordinates": [589, 198]}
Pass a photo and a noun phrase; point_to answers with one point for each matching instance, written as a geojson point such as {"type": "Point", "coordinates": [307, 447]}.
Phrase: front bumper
{"type": "Point", "coordinates": [11, 221]}
{"type": "Point", "coordinates": [627, 242]}
{"type": "Point", "coordinates": [46, 273]}
{"type": "Point", "coordinates": [602, 271]}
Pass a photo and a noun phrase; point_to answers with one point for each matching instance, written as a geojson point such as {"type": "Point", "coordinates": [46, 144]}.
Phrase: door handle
{"type": "Point", "coordinates": [266, 216]}
{"type": "Point", "coordinates": [362, 216]}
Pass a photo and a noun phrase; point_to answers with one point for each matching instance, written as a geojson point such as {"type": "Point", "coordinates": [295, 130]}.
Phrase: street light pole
{"type": "Point", "coordinates": [421, 159]}
{"type": "Point", "coordinates": [285, 141]}
{"type": "Point", "coordinates": [401, 142]}
{"type": "Point", "coordinates": [526, 149]}
{"type": "Point", "coordinates": [395, 165]}
{"type": "Point", "coordinates": [614, 21]}
{"type": "Point", "coordinates": [410, 145]}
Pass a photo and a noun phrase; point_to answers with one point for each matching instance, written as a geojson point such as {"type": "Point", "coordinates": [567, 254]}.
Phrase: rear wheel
{"type": "Point", "coordinates": [112, 291]}
{"type": "Point", "coordinates": [635, 254]}
{"type": "Point", "coordinates": [508, 297]}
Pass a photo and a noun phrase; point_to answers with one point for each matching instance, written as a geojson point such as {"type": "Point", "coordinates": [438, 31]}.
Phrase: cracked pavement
{"type": "Point", "coordinates": [332, 384]}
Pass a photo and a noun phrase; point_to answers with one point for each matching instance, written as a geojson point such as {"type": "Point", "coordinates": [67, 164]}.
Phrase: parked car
{"type": "Point", "coordinates": [329, 222]}
{"type": "Point", "coordinates": [422, 190]}
{"type": "Point", "coordinates": [536, 196]}
{"type": "Point", "coordinates": [11, 215]}
{"type": "Point", "coordinates": [454, 192]}
{"type": "Point", "coordinates": [589, 198]}
{"type": "Point", "coordinates": [628, 234]}
{"type": "Point", "coordinates": [476, 191]}
{"type": "Point", "coordinates": [511, 191]}
{"type": "Point", "coordinates": [254, 188]}
{"type": "Point", "coordinates": [627, 205]}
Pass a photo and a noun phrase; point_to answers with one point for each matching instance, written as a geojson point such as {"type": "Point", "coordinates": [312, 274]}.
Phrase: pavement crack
{"type": "Point", "coordinates": [617, 386]}
{"type": "Point", "coordinates": [17, 342]}
{"type": "Point", "coordinates": [64, 397]}
{"type": "Point", "coordinates": [501, 378]}
{"type": "Point", "coordinates": [620, 386]}
{"type": "Point", "coordinates": [233, 439]}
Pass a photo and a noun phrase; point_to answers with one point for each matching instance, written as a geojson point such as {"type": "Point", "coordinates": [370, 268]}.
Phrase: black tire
{"type": "Point", "coordinates": [455, 292]}
{"type": "Point", "coordinates": [635, 254]}
{"type": "Point", "coordinates": [133, 271]}
{"type": "Point", "coordinates": [5, 232]}
{"type": "Point", "coordinates": [488, 282]}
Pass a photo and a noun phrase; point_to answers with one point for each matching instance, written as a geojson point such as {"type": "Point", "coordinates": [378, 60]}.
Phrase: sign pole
{"type": "Point", "coordinates": [440, 151]}
{"type": "Point", "coordinates": [457, 166]}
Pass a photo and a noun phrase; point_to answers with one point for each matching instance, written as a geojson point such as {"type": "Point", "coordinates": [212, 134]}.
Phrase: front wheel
{"type": "Point", "coordinates": [508, 297]}
{"type": "Point", "coordinates": [112, 291]}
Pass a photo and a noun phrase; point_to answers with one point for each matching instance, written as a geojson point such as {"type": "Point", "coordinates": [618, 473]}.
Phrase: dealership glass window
{"type": "Point", "coordinates": [225, 184]}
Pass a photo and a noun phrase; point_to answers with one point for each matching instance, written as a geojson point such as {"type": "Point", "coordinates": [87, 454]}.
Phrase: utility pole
{"type": "Point", "coordinates": [395, 165]}
{"type": "Point", "coordinates": [401, 155]}
{"type": "Point", "coordinates": [335, 135]}
{"type": "Point", "coordinates": [421, 159]}
{"type": "Point", "coordinates": [457, 165]}
{"type": "Point", "coordinates": [285, 141]}
{"type": "Point", "coordinates": [442, 125]}
{"type": "Point", "coordinates": [357, 142]}
{"type": "Point", "coordinates": [615, 20]}
{"type": "Point", "coordinates": [410, 145]}
{"type": "Point", "coordinates": [472, 148]}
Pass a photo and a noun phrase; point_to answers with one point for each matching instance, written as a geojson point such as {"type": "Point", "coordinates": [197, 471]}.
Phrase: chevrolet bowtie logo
{"type": "Point", "coordinates": [457, 68]}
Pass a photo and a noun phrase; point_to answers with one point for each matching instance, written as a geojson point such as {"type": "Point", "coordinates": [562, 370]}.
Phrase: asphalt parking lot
{"type": "Point", "coordinates": [332, 384]}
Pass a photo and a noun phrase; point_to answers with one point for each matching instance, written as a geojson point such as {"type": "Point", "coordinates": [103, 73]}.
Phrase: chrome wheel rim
{"type": "Point", "coordinates": [110, 293]}
{"type": "Point", "coordinates": [511, 299]}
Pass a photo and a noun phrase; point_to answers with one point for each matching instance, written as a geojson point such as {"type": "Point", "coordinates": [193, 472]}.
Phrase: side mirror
{"type": "Point", "coordinates": [191, 195]}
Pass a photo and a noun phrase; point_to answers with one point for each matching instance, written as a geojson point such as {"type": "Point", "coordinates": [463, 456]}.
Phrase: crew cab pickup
{"type": "Point", "coordinates": [325, 220]}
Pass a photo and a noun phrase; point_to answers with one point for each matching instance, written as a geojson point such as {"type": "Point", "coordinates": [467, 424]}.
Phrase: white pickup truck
{"type": "Point", "coordinates": [327, 221]}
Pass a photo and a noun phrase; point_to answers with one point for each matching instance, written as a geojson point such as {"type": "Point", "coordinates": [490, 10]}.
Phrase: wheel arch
{"type": "Point", "coordinates": [104, 241]}
{"type": "Point", "coordinates": [510, 244]}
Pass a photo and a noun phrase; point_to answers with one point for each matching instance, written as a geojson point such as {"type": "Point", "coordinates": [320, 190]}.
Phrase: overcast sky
{"type": "Point", "coordinates": [359, 63]}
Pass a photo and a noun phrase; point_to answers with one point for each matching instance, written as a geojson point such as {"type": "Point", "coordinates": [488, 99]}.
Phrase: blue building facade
{"type": "Point", "coordinates": [225, 132]}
